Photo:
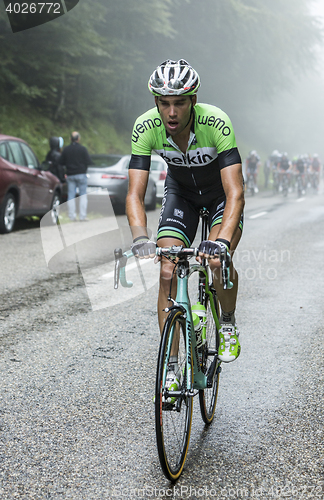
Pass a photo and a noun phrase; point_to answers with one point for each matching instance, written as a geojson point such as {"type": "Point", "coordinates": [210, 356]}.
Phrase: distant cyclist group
{"type": "Point", "coordinates": [286, 175]}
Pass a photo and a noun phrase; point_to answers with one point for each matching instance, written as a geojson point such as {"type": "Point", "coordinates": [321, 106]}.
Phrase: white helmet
{"type": "Point", "coordinates": [174, 78]}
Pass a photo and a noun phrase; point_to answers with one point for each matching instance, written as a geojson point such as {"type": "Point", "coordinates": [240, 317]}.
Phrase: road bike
{"type": "Point", "coordinates": [250, 184]}
{"type": "Point", "coordinates": [284, 183]}
{"type": "Point", "coordinates": [300, 184]}
{"type": "Point", "coordinates": [314, 181]}
{"type": "Point", "coordinates": [276, 183]}
{"type": "Point", "coordinates": [199, 366]}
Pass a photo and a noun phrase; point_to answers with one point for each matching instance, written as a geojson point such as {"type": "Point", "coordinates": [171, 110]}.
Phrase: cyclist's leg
{"type": "Point", "coordinates": [229, 347]}
{"type": "Point", "coordinates": [71, 185]}
{"type": "Point", "coordinates": [227, 297]}
{"type": "Point", "coordinates": [166, 273]}
{"type": "Point", "coordinates": [83, 201]}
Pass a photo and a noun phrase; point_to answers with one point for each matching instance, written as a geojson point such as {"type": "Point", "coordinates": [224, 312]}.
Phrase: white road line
{"type": "Point", "coordinates": [257, 215]}
{"type": "Point", "coordinates": [300, 199]}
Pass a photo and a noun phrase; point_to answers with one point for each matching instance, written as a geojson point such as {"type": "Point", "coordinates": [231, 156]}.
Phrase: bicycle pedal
{"type": "Point", "coordinates": [168, 406]}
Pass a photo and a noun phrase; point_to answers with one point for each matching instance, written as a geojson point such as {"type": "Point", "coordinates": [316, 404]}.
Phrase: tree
{"type": "Point", "coordinates": [95, 61]}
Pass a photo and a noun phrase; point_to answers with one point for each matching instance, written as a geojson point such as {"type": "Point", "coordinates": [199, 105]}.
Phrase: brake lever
{"type": "Point", "coordinates": [120, 261]}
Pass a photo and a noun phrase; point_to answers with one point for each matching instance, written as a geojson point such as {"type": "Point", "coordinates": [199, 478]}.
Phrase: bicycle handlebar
{"type": "Point", "coordinates": [224, 257]}
{"type": "Point", "coordinates": [174, 252]}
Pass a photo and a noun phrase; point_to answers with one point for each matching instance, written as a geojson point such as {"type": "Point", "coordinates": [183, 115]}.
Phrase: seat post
{"type": "Point", "coordinates": [204, 226]}
{"type": "Point", "coordinates": [204, 220]}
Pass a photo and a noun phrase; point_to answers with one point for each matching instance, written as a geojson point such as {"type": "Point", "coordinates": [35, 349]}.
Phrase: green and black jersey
{"type": "Point", "coordinates": [211, 147]}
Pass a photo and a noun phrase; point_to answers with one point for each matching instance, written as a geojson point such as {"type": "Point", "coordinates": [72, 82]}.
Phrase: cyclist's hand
{"type": "Point", "coordinates": [212, 250]}
{"type": "Point", "coordinates": [143, 248]}
{"type": "Point", "coordinates": [209, 249]}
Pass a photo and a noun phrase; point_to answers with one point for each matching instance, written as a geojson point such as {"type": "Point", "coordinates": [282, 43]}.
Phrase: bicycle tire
{"type": "Point", "coordinates": [208, 397]}
{"type": "Point", "coordinates": [173, 421]}
{"type": "Point", "coordinates": [299, 187]}
{"type": "Point", "coordinates": [252, 188]}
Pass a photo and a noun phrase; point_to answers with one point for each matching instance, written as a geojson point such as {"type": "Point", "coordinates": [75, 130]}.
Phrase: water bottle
{"type": "Point", "coordinates": [198, 332]}
{"type": "Point", "coordinates": [199, 311]}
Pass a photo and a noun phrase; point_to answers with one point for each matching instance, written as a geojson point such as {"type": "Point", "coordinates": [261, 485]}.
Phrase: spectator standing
{"type": "Point", "coordinates": [76, 160]}
{"type": "Point", "coordinates": [53, 157]}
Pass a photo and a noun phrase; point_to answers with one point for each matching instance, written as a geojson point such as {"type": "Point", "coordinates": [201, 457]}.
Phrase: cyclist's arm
{"type": "Point", "coordinates": [232, 181]}
{"type": "Point", "coordinates": [139, 168]}
{"type": "Point", "coordinates": [135, 208]}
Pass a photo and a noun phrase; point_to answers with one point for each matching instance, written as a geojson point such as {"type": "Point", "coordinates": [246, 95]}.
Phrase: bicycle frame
{"type": "Point", "coordinates": [183, 301]}
{"type": "Point", "coordinates": [184, 271]}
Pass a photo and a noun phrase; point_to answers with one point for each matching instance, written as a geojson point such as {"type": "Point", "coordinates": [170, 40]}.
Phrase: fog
{"type": "Point", "coordinates": [261, 62]}
{"type": "Point", "coordinates": [261, 75]}
{"type": "Point", "coordinates": [293, 120]}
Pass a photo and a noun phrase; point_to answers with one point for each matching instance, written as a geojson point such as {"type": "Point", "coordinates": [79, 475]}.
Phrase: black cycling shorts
{"type": "Point", "coordinates": [179, 216]}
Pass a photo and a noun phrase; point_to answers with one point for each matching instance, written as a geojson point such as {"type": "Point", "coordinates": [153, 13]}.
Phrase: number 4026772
{"type": "Point", "coordinates": [34, 8]}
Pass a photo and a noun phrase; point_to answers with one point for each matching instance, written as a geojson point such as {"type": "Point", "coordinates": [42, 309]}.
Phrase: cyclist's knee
{"type": "Point", "coordinates": [166, 273]}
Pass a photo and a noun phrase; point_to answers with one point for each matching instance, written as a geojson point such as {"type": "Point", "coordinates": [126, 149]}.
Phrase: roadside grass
{"type": "Point", "coordinates": [29, 123]}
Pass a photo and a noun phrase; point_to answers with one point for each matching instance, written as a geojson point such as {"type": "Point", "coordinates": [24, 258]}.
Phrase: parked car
{"type": "Point", "coordinates": [109, 173]}
{"type": "Point", "coordinates": [159, 170]}
{"type": "Point", "coordinates": [25, 188]}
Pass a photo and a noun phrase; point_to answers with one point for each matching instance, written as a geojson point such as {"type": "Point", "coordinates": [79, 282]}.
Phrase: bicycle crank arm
{"type": "Point", "coordinates": [212, 371]}
{"type": "Point", "coordinates": [179, 394]}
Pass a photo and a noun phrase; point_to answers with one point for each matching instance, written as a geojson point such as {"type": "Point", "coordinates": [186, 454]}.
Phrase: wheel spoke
{"type": "Point", "coordinates": [208, 397]}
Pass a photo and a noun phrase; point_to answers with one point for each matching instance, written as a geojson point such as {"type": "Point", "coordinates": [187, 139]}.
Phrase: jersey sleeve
{"type": "Point", "coordinates": [143, 136]}
{"type": "Point", "coordinates": [229, 157]}
{"type": "Point", "coordinates": [224, 139]}
{"type": "Point", "coordinates": [140, 162]}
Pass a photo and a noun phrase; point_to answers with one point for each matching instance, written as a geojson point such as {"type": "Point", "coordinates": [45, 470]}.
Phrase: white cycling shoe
{"type": "Point", "coordinates": [172, 383]}
{"type": "Point", "coordinates": [229, 347]}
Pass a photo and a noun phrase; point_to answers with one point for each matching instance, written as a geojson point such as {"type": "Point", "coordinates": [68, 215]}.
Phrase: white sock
{"type": "Point", "coordinates": [228, 317]}
{"type": "Point", "coordinates": [173, 364]}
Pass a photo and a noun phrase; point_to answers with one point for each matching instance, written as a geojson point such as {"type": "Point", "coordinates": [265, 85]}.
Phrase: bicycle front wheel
{"type": "Point", "coordinates": [208, 397]}
{"type": "Point", "coordinates": [173, 415]}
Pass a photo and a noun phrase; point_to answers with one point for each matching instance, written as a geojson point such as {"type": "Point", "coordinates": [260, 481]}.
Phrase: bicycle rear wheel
{"type": "Point", "coordinates": [299, 186]}
{"type": "Point", "coordinates": [173, 419]}
{"type": "Point", "coordinates": [208, 397]}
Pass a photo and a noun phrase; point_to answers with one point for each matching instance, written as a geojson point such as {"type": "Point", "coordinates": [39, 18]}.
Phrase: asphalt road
{"type": "Point", "coordinates": [77, 365]}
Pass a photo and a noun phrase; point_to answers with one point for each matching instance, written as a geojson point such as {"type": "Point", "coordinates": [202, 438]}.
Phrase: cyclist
{"type": "Point", "coordinates": [252, 168]}
{"type": "Point", "coordinates": [300, 170]}
{"type": "Point", "coordinates": [315, 169]}
{"type": "Point", "coordinates": [275, 160]}
{"type": "Point", "coordinates": [285, 168]}
{"type": "Point", "coordinates": [266, 170]}
{"type": "Point", "coordinates": [204, 170]}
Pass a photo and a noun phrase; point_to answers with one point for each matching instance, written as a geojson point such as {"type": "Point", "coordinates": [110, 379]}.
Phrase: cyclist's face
{"type": "Point", "coordinates": [175, 112]}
